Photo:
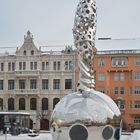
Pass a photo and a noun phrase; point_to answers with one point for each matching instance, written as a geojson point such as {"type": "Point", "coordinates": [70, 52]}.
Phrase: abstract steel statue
{"type": "Point", "coordinates": [84, 38]}
{"type": "Point", "coordinates": [86, 114]}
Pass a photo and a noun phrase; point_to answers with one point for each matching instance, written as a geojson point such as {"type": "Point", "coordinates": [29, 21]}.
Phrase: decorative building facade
{"type": "Point", "coordinates": [118, 76]}
{"type": "Point", "coordinates": [34, 81]}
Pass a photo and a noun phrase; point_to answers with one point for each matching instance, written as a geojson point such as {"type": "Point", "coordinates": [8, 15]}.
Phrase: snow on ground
{"type": "Point", "coordinates": [134, 136]}
{"type": "Point", "coordinates": [44, 136]}
{"type": "Point", "coordinates": [47, 136]}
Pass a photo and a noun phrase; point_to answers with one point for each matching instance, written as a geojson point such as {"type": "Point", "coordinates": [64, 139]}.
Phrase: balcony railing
{"type": "Point", "coordinates": [27, 73]}
{"type": "Point", "coordinates": [26, 91]}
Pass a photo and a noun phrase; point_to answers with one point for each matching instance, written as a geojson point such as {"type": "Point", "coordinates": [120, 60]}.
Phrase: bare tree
{"type": "Point", "coordinates": [43, 114]}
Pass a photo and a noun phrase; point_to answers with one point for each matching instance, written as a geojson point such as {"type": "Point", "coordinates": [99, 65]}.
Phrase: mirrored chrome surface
{"type": "Point", "coordinates": [84, 31]}
{"type": "Point", "coordinates": [94, 112]}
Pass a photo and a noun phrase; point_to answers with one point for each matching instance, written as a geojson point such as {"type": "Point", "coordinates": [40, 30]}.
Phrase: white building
{"type": "Point", "coordinates": [33, 81]}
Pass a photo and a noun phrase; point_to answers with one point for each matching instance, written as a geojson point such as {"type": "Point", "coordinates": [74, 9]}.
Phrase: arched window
{"type": "Point", "coordinates": [32, 52]}
{"type": "Point", "coordinates": [24, 52]}
{"type": "Point", "coordinates": [55, 101]}
{"type": "Point", "coordinates": [1, 104]}
{"type": "Point", "coordinates": [33, 104]}
{"type": "Point", "coordinates": [21, 104]}
{"type": "Point", "coordinates": [45, 104]}
{"type": "Point", "coordinates": [11, 105]}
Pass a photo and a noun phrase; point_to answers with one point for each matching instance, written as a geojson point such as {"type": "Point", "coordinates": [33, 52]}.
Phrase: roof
{"type": "Point", "coordinates": [117, 44]}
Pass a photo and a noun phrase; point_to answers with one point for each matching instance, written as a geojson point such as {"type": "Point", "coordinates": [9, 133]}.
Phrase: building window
{"type": "Point", "coordinates": [68, 65]}
{"type": "Point", "coordinates": [122, 76]}
{"type": "Point", "coordinates": [1, 84]}
{"type": "Point", "coordinates": [116, 90]}
{"type": "Point", "coordinates": [101, 76]}
{"type": "Point", "coordinates": [33, 65]}
{"type": "Point", "coordinates": [32, 52]}
{"type": "Point", "coordinates": [21, 104]}
{"type": "Point", "coordinates": [22, 84]}
{"type": "Point", "coordinates": [137, 104]}
{"type": "Point", "coordinates": [101, 62]}
{"type": "Point", "coordinates": [56, 65]}
{"type": "Point", "coordinates": [137, 62]}
{"type": "Point", "coordinates": [20, 65]}
{"type": "Point", "coordinates": [119, 62]}
{"type": "Point", "coordinates": [116, 76]}
{"type": "Point", "coordinates": [2, 66]}
{"type": "Point", "coordinates": [45, 65]}
{"type": "Point", "coordinates": [45, 104]}
{"type": "Point", "coordinates": [137, 120]}
{"type": "Point", "coordinates": [33, 104]}
{"type": "Point", "coordinates": [120, 103]}
{"type": "Point", "coordinates": [24, 52]}
{"type": "Point", "coordinates": [45, 83]}
{"type": "Point", "coordinates": [55, 101]}
{"type": "Point", "coordinates": [68, 83]}
{"type": "Point", "coordinates": [13, 66]}
{"type": "Point", "coordinates": [9, 66]}
{"type": "Point", "coordinates": [1, 104]}
{"type": "Point", "coordinates": [137, 75]}
{"type": "Point", "coordinates": [11, 104]}
{"type": "Point", "coordinates": [24, 65]}
{"type": "Point", "coordinates": [121, 90]}
{"type": "Point", "coordinates": [11, 84]}
{"type": "Point", "coordinates": [56, 83]}
{"type": "Point", "coordinates": [33, 84]}
{"type": "Point", "coordinates": [137, 90]}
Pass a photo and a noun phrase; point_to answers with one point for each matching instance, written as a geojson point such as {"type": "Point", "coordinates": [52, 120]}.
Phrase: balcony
{"type": "Point", "coordinates": [119, 69]}
{"type": "Point", "coordinates": [26, 91]}
{"type": "Point", "coordinates": [27, 73]}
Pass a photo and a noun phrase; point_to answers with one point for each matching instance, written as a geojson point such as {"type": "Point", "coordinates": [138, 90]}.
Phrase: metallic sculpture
{"type": "Point", "coordinates": [86, 114]}
{"type": "Point", "coordinates": [84, 38]}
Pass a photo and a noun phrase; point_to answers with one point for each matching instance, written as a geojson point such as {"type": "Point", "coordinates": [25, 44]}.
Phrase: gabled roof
{"type": "Point", "coordinates": [28, 45]}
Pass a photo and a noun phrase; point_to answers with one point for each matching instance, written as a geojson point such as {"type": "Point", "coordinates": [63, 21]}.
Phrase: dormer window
{"type": "Point", "coordinates": [68, 51]}
{"type": "Point", "coordinates": [32, 52]}
{"type": "Point", "coordinates": [24, 53]}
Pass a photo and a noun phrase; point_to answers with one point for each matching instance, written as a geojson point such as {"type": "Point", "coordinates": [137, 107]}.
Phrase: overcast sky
{"type": "Point", "coordinates": [51, 21]}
